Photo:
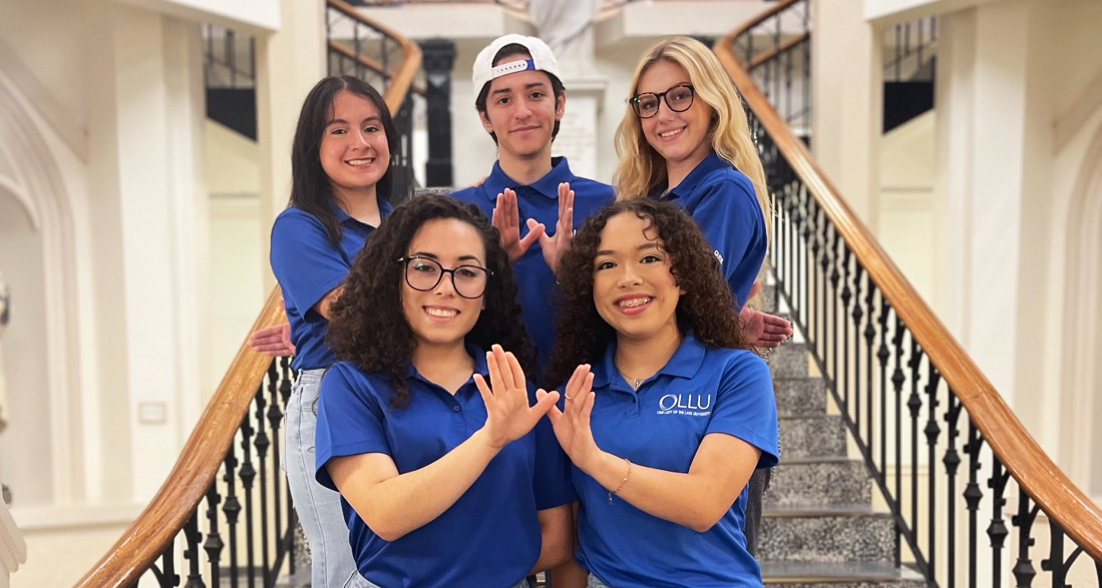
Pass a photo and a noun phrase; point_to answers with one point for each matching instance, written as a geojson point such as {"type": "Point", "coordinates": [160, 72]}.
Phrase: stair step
{"type": "Point", "coordinates": [819, 482]}
{"type": "Point", "coordinates": [838, 574]}
{"type": "Point", "coordinates": [790, 360]}
{"type": "Point", "coordinates": [830, 536]}
{"type": "Point", "coordinates": [800, 396]}
{"type": "Point", "coordinates": [805, 436]}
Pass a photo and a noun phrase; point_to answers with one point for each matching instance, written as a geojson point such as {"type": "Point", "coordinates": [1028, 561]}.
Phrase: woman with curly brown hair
{"type": "Point", "coordinates": [667, 409]}
{"type": "Point", "coordinates": [424, 423]}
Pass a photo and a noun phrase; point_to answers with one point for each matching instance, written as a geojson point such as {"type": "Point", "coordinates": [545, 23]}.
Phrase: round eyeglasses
{"type": "Point", "coordinates": [678, 98]}
{"type": "Point", "coordinates": [424, 274]}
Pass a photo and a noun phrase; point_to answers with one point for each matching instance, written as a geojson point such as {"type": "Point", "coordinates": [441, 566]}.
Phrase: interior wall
{"type": "Point", "coordinates": [25, 445]}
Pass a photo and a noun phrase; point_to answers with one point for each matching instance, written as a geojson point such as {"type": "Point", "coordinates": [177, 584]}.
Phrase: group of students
{"type": "Point", "coordinates": [420, 451]}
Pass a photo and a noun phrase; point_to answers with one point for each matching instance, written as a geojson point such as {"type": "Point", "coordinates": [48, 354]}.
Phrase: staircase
{"type": "Point", "coordinates": [819, 527]}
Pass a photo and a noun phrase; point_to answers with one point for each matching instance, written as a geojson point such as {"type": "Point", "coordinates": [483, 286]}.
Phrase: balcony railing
{"type": "Point", "coordinates": [967, 486]}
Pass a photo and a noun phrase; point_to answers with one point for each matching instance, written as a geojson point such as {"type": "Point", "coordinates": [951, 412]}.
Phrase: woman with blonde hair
{"type": "Point", "coordinates": [685, 138]}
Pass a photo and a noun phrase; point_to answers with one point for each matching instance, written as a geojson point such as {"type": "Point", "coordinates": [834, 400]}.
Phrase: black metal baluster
{"type": "Point", "coordinates": [914, 403]}
{"type": "Point", "coordinates": [857, 315]}
{"type": "Point", "coordinates": [231, 507]}
{"type": "Point", "coordinates": [897, 384]}
{"type": "Point", "coordinates": [883, 355]}
{"type": "Point", "coordinates": [952, 462]}
{"type": "Point", "coordinates": [972, 496]}
{"type": "Point", "coordinates": [275, 417]}
{"type": "Point", "coordinates": [932, 432]}
{"type": "Point", "coordinates": [870, 338]}
{"type": "Point", "coordinates": [832, 256]}
{"type": "Point", "coordinates": [1023, 569]}
{"type": "Point", "coordinates": [213, 545]}
{"type": "Point", "coordinates": [261, 443]}
{"type": "Point", "coordinates": [247, 473]}
{"type": "Point", "coordinates": [997, 529]}
{"type": "Point", "coordinates": [192, 536]}
{"type": "Point", "coordinates": [844, 321]}
{"type": "Point", "coordinates": [166, 576]}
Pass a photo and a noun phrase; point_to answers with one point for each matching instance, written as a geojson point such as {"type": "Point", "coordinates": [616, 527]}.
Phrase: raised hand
{"type": "Point", "coordinates": [554, 246]}
{"type": "Point", "coordinates": [571, 425]}
{"type": "Point", "coordinates": [506, 219]}
{"type": "Point", "coordinates": [273, 341]}
{"type": "Point", "coordinates": [765, 330]}
{"type": "Point", "coordinates": [508, 416]}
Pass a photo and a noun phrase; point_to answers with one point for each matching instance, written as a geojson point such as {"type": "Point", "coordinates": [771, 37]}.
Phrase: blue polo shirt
{"type": "Point", "coordinates": [700, 391]}
{"type": "Point", "coordinates": [722, 201]}
{"type": "Point", "coordinates": [540, 201]}
{"type": "Point", "coordinates": [308, 267]}
{"type": "Point", "coordinates": [491, 535]}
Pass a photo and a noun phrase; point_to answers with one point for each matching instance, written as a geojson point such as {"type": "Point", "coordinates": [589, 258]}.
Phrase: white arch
{"type": "Point", "coordinates": [43, 193]}
{"type": "Point", "coordinates": [1081, 375]}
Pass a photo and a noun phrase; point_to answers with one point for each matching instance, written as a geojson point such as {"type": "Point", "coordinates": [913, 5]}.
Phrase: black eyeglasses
{"type": "Point", "coordinates": [678, 98]}
{"type": "Point", "coordinates": [424, 274]}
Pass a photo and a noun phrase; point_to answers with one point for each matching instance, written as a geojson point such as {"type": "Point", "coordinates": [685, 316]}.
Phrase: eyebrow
{"type": "Point", "coordinates": [650, 245]}
{"type": "Point", "coordinates": [342, 121]}
{"type": "Point", "coordinates": [434, 257]}
{"type": "Point", "coordinates": [530, 86]}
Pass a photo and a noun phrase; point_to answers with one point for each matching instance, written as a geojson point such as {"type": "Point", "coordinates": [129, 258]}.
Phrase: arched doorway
{"type": "Point", "coordinates": [1081, 413]}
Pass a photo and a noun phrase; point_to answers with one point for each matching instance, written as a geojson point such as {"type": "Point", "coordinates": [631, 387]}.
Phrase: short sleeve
{"type": "Point", "coordinates": [551, 479]}
{"type": "Point", "coordinates": [746, 406]}
{"type": "Point", "coordinates": [350, 419]}
{"type": "Point", "coordinates": [728, 214]}
{"type": "Point", "coordinates": [305, 262]}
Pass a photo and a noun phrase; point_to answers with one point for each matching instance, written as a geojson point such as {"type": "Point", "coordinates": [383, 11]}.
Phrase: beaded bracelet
{"type": "Point", "coordinates": [622, 482]}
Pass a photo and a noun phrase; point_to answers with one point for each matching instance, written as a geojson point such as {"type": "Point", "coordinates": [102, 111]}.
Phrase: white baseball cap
{"type": "Point", "coordinates": [542, 59]}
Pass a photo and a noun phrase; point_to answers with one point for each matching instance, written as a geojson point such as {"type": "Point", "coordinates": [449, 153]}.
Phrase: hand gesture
{"type": "Point", "coordinates": [571, 425]}
{"type": "Point", "coordinates": [554, 246]}
{"type": "Point", "coordinates": [508, 416]}
{"type": "Point", "coordinates": [506, 219]}
{"type": "Point", "coordinates": [765, 330]}
{"type": "Point", "coordinates": [273, 341]}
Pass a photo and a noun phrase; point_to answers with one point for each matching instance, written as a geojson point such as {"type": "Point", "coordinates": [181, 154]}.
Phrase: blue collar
{"type": "Point", "coordinates": [548, 185]}
{"type": "Point", "coordinates": [476, 353]}
{"type": "Point", "coordinates": [685, 363]}
{"type": "Point", "coordinates": [385, 209]}
{"type": "Point", "coordinates": [702, 169]}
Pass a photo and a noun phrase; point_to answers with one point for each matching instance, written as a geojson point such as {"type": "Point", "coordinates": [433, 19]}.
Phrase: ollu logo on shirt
{"type": "Point", "coordinates": [685, 404]}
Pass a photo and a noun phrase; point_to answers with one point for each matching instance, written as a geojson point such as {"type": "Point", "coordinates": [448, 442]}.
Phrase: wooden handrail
{"type": "Point", "coordinates": [190, 478]}
{"type": "Point", "coordinates": [1035, 472]}
{"type": "Point", "coordinates": [202, 455]}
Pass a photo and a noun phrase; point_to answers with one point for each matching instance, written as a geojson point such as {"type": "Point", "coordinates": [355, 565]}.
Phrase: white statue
{"type": "Point", "coordinates": [560, 23]}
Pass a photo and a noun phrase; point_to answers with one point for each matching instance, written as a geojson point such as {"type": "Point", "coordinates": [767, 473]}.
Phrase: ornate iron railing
{"type": "Point", "coordinates": [916, 405]}
{"type": "Point", "coordinates": [227, 496]}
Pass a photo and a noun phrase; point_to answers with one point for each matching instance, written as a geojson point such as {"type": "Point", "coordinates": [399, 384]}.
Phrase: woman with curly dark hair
{"type": "Point", "coordinates": [668, 411]}
{"type": "Point", "coordinates": [424, 423]}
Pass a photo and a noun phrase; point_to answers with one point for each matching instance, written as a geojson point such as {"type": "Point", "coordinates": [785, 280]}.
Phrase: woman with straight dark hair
{"type": "Point", "coordinates": [341, 184]}
{"type": "Point", "coordinates": [449, 478]}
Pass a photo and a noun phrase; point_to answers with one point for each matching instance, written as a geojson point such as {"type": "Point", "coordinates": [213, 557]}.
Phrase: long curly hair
{"type": "Point", "coordinates": [311, 188]}
{"type": "Point", "coordinates": [367, 325]}
{"type": "Point", "coordinates": [706, 307]}
{"type": "Point", "coordinates": [642, 170]}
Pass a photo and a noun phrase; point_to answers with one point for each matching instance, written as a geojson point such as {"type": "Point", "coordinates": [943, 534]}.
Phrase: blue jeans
{"type": "Point", "coordinates": [318, 508]}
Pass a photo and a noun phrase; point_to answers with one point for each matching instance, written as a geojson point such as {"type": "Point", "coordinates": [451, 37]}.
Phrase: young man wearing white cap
{"type": "Point", "coordinates": [520, 99]}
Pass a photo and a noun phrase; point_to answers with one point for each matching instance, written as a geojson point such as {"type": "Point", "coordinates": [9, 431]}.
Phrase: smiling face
{"type": "Point", "coordinates": [633, 288]}
{"type": "Point", "coordinates": [354, 152]}
{"type": "Point", "coordinates": [521, 110]}
{"type": "Point", "coordinates": [440, 317]}
{"type": "Point", "coordinates": [683, 139]}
